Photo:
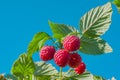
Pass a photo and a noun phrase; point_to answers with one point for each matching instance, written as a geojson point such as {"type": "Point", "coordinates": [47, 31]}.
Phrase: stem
{"type": "Point", "coordinates": [54, 42]}
{"type": "Point", "coordinates": [60, 45]}
{"type": "Point", "coordinates": [60, 73]}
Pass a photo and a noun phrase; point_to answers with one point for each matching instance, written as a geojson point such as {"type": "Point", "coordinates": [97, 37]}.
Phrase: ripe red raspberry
{"type": "Point", "coordinates": [75, 60]}
{"type": "Point", "coordinates": [61, 57]}
{"type": "Point", "coordinates": [81, 68]}
{"type": "Point", "coordinates": [47, 53]}
{"type": "Point", "coordinates": [71, 43]}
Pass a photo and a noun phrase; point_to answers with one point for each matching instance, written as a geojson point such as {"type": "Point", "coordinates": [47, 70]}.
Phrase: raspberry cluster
{"type": "Point", "coordinates": [66, 56]}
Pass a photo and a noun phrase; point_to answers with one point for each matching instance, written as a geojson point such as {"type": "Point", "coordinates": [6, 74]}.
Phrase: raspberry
{"type": "Point", "coordinates": [81, 68]}
{"type": "Point", "coordinates": [75, 60]}
{"type": "Point", "coordinates": [47, 53]}
{"type": "Point", "coordinates": [61, 57]}
{"type": "Point", "coordinates": [71, 43]}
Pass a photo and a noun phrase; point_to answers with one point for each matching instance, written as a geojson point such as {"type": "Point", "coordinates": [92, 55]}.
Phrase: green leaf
{"type": "Point", "coordinates": [44, 69]}
{"type": "Point", "coordinates": [10, 77]}
{"type": "Point", "coordinates": [37, 42]}
{"type": "Point", "coordinates": [59, 30]}
{"type": "Point", "coordinates": [94, 46]}
{"type": "Point", "coordinates": [71, 75]}
{"type": "Point", "coordinates": [117, 3]}
{"type": "Point", "coordinates": [98, 78]}
{"type": "Point", "coordinates": [23, 67]}
{"type": "Point", "coordinates": [97, 21]}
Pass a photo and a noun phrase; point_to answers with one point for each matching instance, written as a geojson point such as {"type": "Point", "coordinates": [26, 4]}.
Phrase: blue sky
{"type": "Point", "coordinates": [21, 19]}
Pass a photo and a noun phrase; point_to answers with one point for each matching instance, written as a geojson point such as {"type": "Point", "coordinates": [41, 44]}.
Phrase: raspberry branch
{"type": "Point", "coordinates": [60, 73]}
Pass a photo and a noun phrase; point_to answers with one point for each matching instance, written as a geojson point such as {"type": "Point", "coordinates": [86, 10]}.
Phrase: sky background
{"type": "Point", "coordinates": [21, 19]}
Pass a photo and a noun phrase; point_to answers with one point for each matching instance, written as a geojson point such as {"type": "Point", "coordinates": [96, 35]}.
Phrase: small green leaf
{"type": "Point", "coordinates": [94, 46]}
{"type": "Point", "coordinates": [59, 30]}
{"type": "Point", "coordinates": [98, 78]}
{"type": "Point", "coordinates": [43, 69]}
{"type": "Point", "coordinates": [23, 67]}
{"type": "Point", "coordinates": [117, 3]}
{"type": "Point", "coordinates": [97, 21]}
{"type": "Point", "coordinates": [37, 42]}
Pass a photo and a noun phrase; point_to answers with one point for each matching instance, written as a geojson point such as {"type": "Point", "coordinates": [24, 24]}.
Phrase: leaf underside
{"type": "Point", "coordinates": [92, 25]}
{"type": "Point", "coordinates": [97, 21]}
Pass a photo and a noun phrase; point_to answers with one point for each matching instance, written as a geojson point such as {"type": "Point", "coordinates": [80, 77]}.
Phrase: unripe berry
{"type": "Point", "coordinates": [71, 43]}
{"type": "Point", "coordinates": [61, 57]}
{"type": "Point", "coordinates": [75, 60]}
{"type": "Point", "coordinates": [47, 53]}
{"type": "Point", "coordinates": [81, 68]}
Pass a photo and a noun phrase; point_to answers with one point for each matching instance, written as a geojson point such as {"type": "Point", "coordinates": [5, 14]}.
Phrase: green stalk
{"type": "Point", "coordinates": [60, 73]}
